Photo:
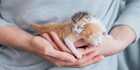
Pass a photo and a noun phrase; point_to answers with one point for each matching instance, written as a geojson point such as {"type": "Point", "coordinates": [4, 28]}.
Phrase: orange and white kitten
{"type": "Point", "coordinates": [81, 26]}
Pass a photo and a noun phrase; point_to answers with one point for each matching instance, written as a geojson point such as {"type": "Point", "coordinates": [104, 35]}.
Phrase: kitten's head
{"type": "Point", "coordinates": [87, 26]}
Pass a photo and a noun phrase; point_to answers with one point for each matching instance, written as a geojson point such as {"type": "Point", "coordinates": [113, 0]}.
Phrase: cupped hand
{"type": "Point", "coordinates": [89, 58]}
{"type": "Point", "coordinates": [45, 49]}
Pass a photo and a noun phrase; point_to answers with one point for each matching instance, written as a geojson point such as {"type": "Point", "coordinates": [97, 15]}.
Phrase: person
{"type": "Point", "coordinates": [129, 59]}
{"type": "Point", "coordinates": [21, 49]}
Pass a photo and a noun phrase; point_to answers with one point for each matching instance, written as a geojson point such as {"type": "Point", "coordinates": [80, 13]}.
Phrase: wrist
{"type": "Point", "coordinates": [40, 45]}
{"type": "Point", "coordinates": [122, 36]}
{"type": "Point", "coordinates": [27, 45]}
{"type": "Point", "coordinates": [110, 46]}
{"type": "Point", "coordinates": [123, 33]}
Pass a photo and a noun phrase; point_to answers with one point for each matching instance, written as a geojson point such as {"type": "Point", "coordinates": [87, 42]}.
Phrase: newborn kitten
{"type": "Point", "coordinates": [81, 26]}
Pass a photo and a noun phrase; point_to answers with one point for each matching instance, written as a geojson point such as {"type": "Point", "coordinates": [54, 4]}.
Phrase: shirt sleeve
{"type": "Point", "coordinates": [131, 16]}
{"type": "Point", "coordinates": [5, 23]}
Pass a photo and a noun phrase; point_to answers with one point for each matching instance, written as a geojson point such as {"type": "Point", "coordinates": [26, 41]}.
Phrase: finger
{"type": "Point", "coordinates": [81, 51]}
{"type": "Point", "coordinates": [46, 36]}
{"type": "Point", "coordinates": [88, 57]}
{"type": "Point", "coordinates": [89, 50]}
{"type": "Point", "coordinates": [80, 43]}
{"type": "Point", "coordinates": [89, 61]}
{"type": "Point", "coordinates": [85, 59]}
{"type": "Point", "coordinates": [63, 64]}
{"type": "Point", "coordinates": [62, 56]}
{"type": "Point", "coordinates": [58, 62]}
{"type": "Point", "coordinates": [94, 60]}
{"type": "Point", "coordinates": [50, 51]}
{"type": "Point", "coordinates": [59, 43]}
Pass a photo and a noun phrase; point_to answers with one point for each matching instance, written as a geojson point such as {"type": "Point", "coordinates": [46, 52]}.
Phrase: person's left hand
{"type": "Point", "coordinates": [109, 47]}
{"type": "Point", "coordinates": [91, 54]}
{"type": "Point", "coordinates": [87, 59]}
{"type": "Point", "coordinates": [96, 54]}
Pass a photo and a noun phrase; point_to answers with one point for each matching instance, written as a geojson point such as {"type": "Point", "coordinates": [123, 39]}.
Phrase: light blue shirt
{"type": "Point", "coordinates": [18, 12]}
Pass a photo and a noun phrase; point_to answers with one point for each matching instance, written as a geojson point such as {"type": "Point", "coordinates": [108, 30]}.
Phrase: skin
{"type": "Point", "coordinates": [33, 44]}
{"type": "Point", "coordinates": [122, 35]}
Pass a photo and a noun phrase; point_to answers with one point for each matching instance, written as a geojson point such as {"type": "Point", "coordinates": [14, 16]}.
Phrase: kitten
{"type": "Point", "coordinates": [81, 26]}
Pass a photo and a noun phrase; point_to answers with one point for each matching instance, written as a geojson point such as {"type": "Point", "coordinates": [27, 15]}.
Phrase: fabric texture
{"type": "Point", "coordinates": [20, 12]}
{"type": "Point", "coordinates": [130, 16]}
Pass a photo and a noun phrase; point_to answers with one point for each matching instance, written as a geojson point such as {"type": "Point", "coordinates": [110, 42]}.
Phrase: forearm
{"type": "Point", "coordinates": [15, 37]}
{"type": "Point", "coordinates": [125, 34]}
{"type": "Point", "coordinates": [122, 36]}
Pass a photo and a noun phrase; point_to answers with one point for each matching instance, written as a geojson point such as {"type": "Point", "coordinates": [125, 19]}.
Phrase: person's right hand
{"type": "Point", "coordinates": [87, 59]}
{"type": "Point", "coordinates": [48, 51]}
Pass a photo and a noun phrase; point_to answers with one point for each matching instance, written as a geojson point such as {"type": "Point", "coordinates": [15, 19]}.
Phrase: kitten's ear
{"type": "Point", "coordinates": [78, 16]}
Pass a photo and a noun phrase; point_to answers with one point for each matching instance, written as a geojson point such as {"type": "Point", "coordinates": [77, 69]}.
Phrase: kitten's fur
{"type": "Point", "coordinates": [69, 31]}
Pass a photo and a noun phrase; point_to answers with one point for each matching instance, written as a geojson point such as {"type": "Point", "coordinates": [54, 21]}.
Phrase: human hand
{"type": "Point", "coordinates": [107, 48]}
{"type": "Point", "coordinates": [87, 59]}
{"type": "Point", "coordinates": [45, 50]}
{"type": "Point", "coordinates": [121, 37]}
{"type": "Point", "coordinates": [110, 46]}
{"type": "Point", "coordinates": [92, 54]}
